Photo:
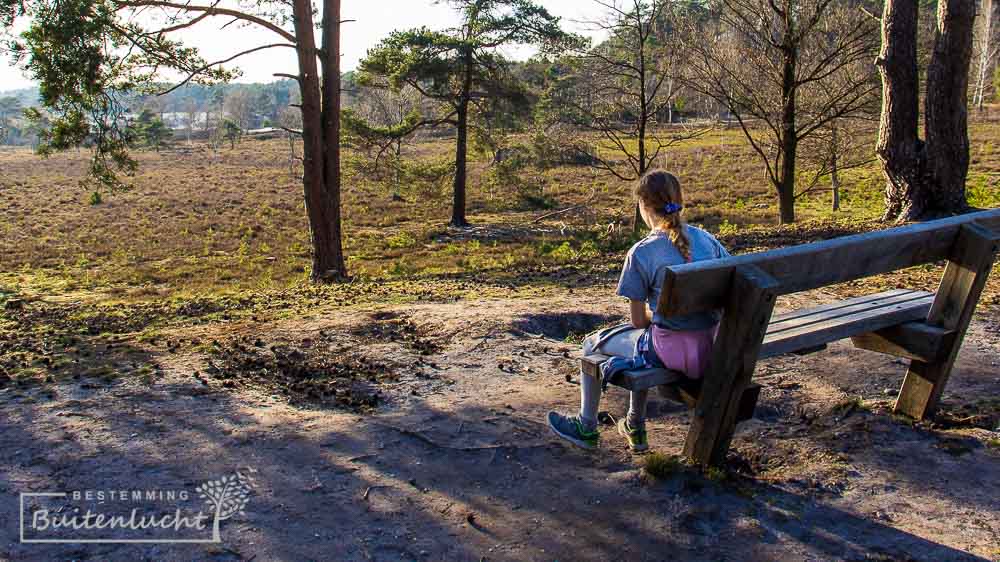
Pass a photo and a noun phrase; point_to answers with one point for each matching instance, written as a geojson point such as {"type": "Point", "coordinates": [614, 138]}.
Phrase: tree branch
{"type": "Point", "coordinates": [198, 71]}
{"type": "Point", "coordinates": [212, 10]}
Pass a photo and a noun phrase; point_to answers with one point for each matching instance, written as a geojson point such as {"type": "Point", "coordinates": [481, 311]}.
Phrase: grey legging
{"type": "Point", "coordinates": [621, 344]}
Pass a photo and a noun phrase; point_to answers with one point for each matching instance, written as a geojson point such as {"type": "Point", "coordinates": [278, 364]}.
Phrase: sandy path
{"type": "Point", "coordinates": [456, 465]}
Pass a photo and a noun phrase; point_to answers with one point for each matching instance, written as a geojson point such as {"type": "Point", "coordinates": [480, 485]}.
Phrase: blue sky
{"type": "Point", "coordinates": [374, 19]}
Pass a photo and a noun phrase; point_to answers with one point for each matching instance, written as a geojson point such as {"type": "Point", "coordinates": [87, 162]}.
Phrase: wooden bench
{"type": "Point", "coordinates": [923, 327]}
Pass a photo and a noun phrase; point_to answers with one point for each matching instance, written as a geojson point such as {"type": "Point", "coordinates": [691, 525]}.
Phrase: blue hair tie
{"type": "Point", "coordinates": [671, 208]}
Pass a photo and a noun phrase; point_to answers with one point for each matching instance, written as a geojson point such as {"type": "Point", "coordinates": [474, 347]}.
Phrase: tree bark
{"type": "Point", "coordinates": [925, 180]}
{"type": "Point", "coordinates": [986, 52]}
{"type": "Point", "coordinates": [899, 149]}
{"type": "Point", "coordinates": [834, 172]}
{"type": "Point", "coordinates": [641, 33]}
{"type": "Point", "coordinates": [637, 222]}
{"type": "Point", "coordinates": [462, 149]}
{"type": "Point", "coordinates": [461, 157]}
{"type": "Point", "coordinates": [320, 208]}
{"type": "Point", "coordinates": [789, 137]}
{"type": "Point", "coordinates": [331, 266]}
{"type": "Point", "coordinates": [947, 119]}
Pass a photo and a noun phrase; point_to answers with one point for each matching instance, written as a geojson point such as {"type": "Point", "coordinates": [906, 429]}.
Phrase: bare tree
{"type": "Point", "coordinates": [9, 106]}
{"type": "Point", "coordinates": [193, 114]}
{"type": "Point", "coordinates": [785, 69]}
{"type": "Point", "coordinates": [239, 108]}
{"type": "Point", "coordinates": [382, 118]}
{"type": "Point", "coordinates": [623, 89]}
{"type": "Point", "coordinates": [986, 49]}
{"type": "Point", "coordinates": [290, 120]}
{"type": "Point", "coordinates": [838, 146]}
{"type": "Point", "coordinates": [924, 180]}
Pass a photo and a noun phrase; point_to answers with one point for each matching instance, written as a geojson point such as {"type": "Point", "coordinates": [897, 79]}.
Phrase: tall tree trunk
{"type": "Point", "coordinates": [834, 172]}
{"type": "Point", "coordinates": [461, 164]}
{"type": "Point", "coordinates": [789, 137]}
{"type": "Point", "coordinates": [637, 222]}
{"type": "Point", "coordinates": [925, 180]}
{"type": "Point", "coordinates": [327, 258]}
{"type": "Point", "coordinates": [462, 149]}
{"type": "Point", "coordinates": [835, 181]}
{"type": "Point", "coordinates": [332, 266]}
{"type": "Point", "coordinates": [947, 119]}
{"type": "Point", "coordinates": [899, 149]}
{"type": "Point", "coordinates": [985, 52]}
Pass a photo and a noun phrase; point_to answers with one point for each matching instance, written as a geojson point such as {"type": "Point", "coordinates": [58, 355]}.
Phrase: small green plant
{"type": "Point", "coordinates": [588, 250]}
{"type": "Point", "coordinates": [848, 406]}
{"type": "Point", "coordinates": [715, 474]}
{"type": "Point", "coordinates": [727, 228]}
{"type": "Point", "coordinates": [401, 240]}
{"type": "Point", "coordinates": [538, 201]}
{"type": "Point", "coordinates": [564, 252]}
{"type": "Point", "coordinates": [659, 466]}
{"type": "Point", "coordinates": [401, 268]}
{"type": "Point", "coordinates": [982, 191]}
{"type": "Point", "coordinates": [452, 249]}
{"type": "Point", "coordinates": [95, 198]}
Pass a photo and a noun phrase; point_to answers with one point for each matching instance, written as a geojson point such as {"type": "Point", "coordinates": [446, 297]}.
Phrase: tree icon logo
{"type": "Point", "coordinates": [227, 496]}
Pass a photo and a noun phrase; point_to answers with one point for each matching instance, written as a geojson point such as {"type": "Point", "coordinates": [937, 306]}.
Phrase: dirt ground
{"type": "Point", "coordinates": [429, 444]}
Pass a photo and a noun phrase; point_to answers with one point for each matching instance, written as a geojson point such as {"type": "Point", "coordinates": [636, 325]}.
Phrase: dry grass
{"type": "Point", "coordinates": [205, 222]}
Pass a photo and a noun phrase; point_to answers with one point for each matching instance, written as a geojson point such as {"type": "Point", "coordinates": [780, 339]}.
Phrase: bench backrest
{"type": "Point", "coordinates": [703, 286]}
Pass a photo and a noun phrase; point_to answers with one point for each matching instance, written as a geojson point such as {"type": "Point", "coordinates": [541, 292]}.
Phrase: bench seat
{"type": "Point", "coordinates": [680, 387]}
{"type": "Point", "coordinates": [801, 331]}
{"type": "Point", "coordinates": [811, 328]}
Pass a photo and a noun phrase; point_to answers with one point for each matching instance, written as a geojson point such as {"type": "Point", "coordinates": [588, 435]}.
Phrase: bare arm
{"type": "Point", "coordinates": [640, 316]}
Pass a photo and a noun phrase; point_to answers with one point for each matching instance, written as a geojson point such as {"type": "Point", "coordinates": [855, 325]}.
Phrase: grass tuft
{"type": "Point", "coordinates": [715, 474]}
{"type": "Point", "coordinates": [659, 466]}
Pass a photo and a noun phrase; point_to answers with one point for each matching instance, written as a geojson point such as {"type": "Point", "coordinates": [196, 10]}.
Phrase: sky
{"type": "Point", "coordinates": [373, 20]}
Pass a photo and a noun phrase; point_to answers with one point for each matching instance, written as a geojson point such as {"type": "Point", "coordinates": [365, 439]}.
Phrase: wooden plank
{"type": "Point", "coordinates": [779, 318]}
{"type": "Point", "coordinates": [813, 316]}
{"type": "Point", "coordinates": [679, 387]}
{"type": "Point", "coordinates": [913, 340]}
{"type": "Point", "coordinates": [731, 366]}
{"type": "Point", "coordinates": [640, 379]}
{"type": "Point", "coordinates": [970, 264]}
{"type": "Point", "coordinates": [591, 364]}
{"type": "Point", "coordinates": [705, 285]}
{"type": "Point", "coordinates": [835, 329]}
{"type": "Point", "coordinates": [644, 379]}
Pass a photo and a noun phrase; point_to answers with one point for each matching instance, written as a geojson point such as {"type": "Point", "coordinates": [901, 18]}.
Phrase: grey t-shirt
{"type": "Point", "coordinates": [646, 264]}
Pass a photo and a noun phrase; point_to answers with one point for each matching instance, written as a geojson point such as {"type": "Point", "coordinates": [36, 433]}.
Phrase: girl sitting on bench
{"type": "Point", "coordinates": [681, 343]}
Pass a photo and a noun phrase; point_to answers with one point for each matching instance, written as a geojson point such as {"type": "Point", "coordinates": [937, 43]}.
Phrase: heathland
{"type": "Point", "coordinates": [171, 329]}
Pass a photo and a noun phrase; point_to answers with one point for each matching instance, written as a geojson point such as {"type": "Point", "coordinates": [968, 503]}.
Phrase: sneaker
{"type": "Point", "coordinates": [572, 429]}
{"type": "Point", "coordinates": [636, 437]}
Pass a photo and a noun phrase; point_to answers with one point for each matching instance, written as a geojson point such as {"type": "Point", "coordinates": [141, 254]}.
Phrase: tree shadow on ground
{"type": "Point", "coordinates": [434, 480]}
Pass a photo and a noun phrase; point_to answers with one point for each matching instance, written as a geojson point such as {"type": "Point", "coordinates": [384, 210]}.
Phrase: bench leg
{"type": "Point", "coordinates": [734, 357]}
{"type": "Point", "coordinates": [964, 278]}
